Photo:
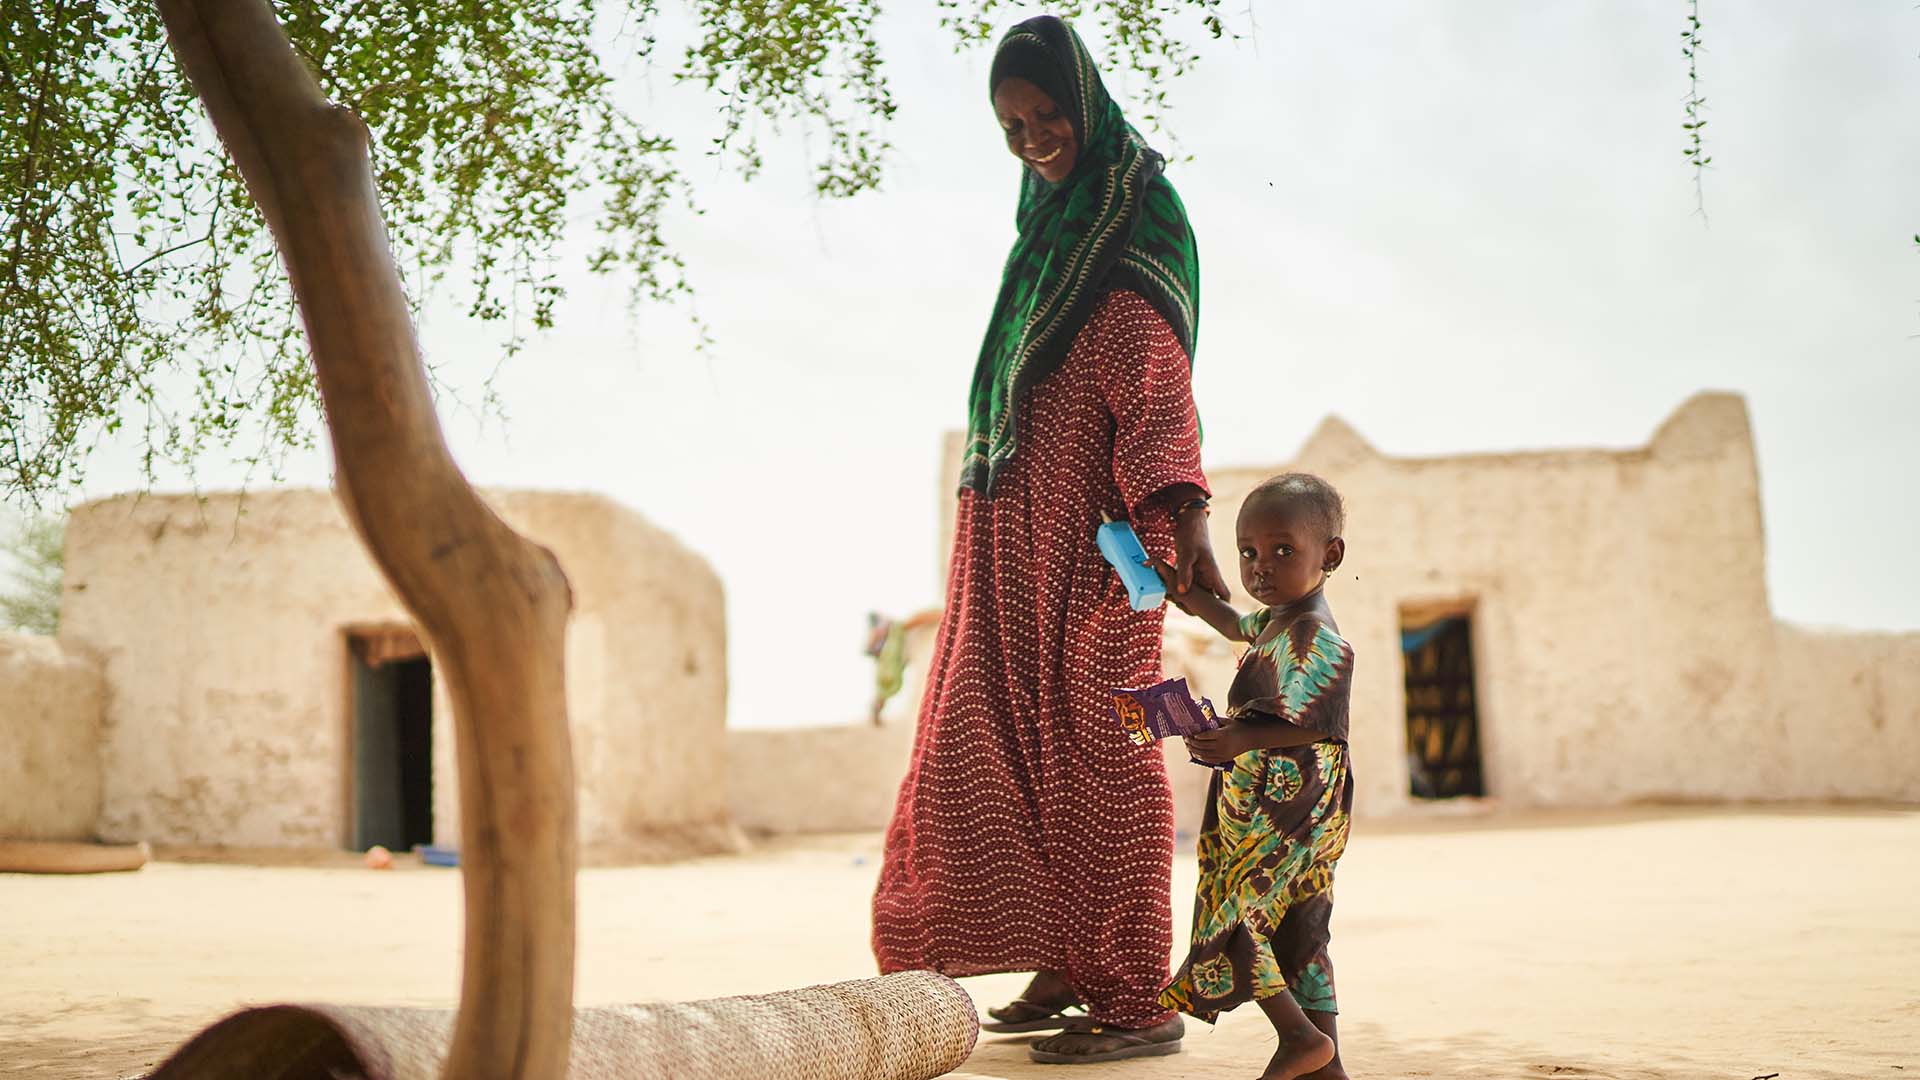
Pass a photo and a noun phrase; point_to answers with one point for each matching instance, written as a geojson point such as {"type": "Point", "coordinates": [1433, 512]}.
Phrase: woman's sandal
{"type": "Point", "coordinates": [1040, 1016]}
{"type": "Point", "coordinates": [1126, 1043]}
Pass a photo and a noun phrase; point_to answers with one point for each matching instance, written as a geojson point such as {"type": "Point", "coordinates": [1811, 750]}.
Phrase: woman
{"type": "Point", "coordinates": [1030, 834]}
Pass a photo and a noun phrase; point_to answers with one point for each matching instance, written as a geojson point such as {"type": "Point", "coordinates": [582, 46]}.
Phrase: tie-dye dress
{"type": "Point", "coordinates": [1276, 823]}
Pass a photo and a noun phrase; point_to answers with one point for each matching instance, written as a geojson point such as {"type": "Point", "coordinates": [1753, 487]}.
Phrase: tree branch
{"type": "Point", "coordinates": [493, 604]}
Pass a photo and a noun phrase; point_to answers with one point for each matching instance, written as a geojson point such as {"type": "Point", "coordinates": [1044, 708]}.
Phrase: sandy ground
{"type": "Point", "coordinates": [1682, 944]}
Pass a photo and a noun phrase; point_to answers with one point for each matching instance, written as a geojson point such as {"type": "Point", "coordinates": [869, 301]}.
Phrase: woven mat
{"type": "Point", "coordinates": [910, 1026]}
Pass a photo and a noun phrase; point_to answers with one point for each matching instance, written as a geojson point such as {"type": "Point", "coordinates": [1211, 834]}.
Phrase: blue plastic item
{"type": "Point", "coordinates": [1121, 546]}
{"type": "Point", "coordinates": [437, 856]}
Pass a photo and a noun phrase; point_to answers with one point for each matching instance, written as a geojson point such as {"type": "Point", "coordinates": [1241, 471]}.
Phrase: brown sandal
{"type": "Point", "coordinates": [1048, 1018]}
{"type": "Point", "coordinates": [1128, 1043]}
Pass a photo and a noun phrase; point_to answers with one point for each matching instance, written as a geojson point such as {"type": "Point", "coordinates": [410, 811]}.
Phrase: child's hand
{"type": "Point", "coordinates": [1220, 746]}
{"type": "Point", "coordinates": [1171, 581]}
{"type": "Point", "coordinates": [1199, 600]}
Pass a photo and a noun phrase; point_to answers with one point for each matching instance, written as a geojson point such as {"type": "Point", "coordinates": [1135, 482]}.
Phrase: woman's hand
{"type": "Point", "coordinates": [1195, 586]}
{"type": "Point", "coordinates": [1193, 557]}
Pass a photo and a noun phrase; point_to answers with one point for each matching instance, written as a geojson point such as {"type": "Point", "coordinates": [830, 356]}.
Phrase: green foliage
{"type": "Point", "coordinates": [1696, 153]}
{"type": "Point", "coordinates": [1139, 35]}
{"type": "Point", "coordinates": [31, 600]}
{"type": "Point", "coordinates": [768, 58]}
{"type": "Point", "coordinates": [134, 263]}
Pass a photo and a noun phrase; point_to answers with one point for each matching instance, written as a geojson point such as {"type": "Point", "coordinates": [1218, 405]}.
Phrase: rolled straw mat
{"type": "Point", "coordinates": [909, 1026]}
{"type": "Point", "coordinates": [52, 857]}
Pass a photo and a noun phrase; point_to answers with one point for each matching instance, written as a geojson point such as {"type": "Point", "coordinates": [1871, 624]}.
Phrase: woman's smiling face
{"type": "Point", "coordinates": [1038, 131]}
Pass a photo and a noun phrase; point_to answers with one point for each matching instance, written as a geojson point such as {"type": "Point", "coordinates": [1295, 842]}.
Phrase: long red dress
{"type": "Point", "coordinates": [1030, 834]}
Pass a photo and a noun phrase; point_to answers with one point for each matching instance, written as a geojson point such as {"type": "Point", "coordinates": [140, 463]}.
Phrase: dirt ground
{"type": "Point", "coordinates": [1691, 944]}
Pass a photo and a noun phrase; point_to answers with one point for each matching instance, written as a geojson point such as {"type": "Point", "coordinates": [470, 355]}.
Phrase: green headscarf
{"type": "Point", "coordinates": [1113, 223]}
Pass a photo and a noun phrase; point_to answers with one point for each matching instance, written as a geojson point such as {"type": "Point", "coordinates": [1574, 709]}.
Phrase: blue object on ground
{"type": "Point", "coordinates": [437, 856]}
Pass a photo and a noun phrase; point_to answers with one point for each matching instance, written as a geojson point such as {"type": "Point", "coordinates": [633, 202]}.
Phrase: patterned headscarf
{"type": "Point", "coordinates": [1113, 223]}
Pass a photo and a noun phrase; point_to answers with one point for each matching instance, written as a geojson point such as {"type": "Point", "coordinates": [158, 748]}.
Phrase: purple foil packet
{"type": "Point", "coordinates": [1162, 711]}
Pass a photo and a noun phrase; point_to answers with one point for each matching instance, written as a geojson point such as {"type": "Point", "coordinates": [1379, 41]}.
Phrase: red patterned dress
{"type": "Point", "coordinates": [1030, 834]}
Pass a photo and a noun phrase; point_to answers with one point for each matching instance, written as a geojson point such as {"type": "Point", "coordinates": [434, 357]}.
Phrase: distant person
{"type": "Point", "coordinates": [1277, 818]}
{"type": "Point", "coordinates": [887, 645]}
{"type": "Point", "coordinates": [1030, 834]}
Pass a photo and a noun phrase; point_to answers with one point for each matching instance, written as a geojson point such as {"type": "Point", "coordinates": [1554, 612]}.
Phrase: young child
{"type": "Point", "coordinates": [1276, 819]}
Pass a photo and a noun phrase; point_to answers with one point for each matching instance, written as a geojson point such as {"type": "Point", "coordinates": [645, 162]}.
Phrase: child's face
{"type": "Point", "coordinates": [1284, 553]}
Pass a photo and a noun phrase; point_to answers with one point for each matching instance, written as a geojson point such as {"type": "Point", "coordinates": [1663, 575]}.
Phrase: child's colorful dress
{"type": "Point", "coordinates": [1276, 823]}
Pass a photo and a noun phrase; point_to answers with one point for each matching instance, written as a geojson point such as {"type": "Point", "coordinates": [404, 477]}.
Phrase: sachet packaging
{"type": "Point", "coordinates": [1162, 711]}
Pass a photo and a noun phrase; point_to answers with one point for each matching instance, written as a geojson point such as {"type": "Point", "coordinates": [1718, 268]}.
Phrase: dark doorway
{"type": "Point", "coordinates": [1443, 716]}
{"type": "Point", "coordinates": [392, 741]}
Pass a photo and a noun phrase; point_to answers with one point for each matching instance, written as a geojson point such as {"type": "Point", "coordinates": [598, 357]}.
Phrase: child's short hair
{"type": "Point", "coordinates": [1304, 491]}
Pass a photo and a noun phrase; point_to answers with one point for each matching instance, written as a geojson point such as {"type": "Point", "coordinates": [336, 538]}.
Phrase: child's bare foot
{"type": "Point", "coordinates": [1302, 1056]}
{"type": "Point", "coordinates": [1332, 1070]}
{"type": "Point", "coordinates": [1304, 1049]}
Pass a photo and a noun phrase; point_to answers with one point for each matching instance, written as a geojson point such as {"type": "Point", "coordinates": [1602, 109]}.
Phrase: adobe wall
{"type": "Point", "coordinates": [1622, 636]}
{"type": "Point", "coordinates": [840, 778]}
{"type": "Point", "coordinates": [50, 709]}
{"type": "Point", "coordinates": [1846, 714]}
{"type": "Point", "coordinates": [829, 778]}
{"type": "Point", "coordinates": [222, 627]}
{"type": "Point", "coordinates": [845, 778]}
{"type": "Point", "coordinates": [646, 676]}
{"type": "Point", "coordinates": [1621, 632]}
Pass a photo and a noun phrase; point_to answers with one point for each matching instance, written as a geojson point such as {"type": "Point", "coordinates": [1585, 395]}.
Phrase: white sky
{"type": "Point", "coordinates": [1459, 226]}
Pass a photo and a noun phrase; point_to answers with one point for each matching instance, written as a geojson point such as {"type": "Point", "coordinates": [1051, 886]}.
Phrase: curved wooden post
{"type": "Point", "coordinates": [494, 604]}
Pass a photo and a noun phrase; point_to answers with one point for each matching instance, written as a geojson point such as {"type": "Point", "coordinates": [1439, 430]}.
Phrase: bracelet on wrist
{"type": "Point", "coordinates": [1199, 504]}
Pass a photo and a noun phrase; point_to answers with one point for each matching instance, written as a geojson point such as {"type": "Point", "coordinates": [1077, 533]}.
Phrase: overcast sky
{"type": "Point", "coordinates": [1461, 226]}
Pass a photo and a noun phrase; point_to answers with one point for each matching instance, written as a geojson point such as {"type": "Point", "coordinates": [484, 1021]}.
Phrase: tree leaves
{"type": "Point", "coordinates": [138, 284]}
{"type": "Point", "coordinates": [1695, 153]}
{"type": "Point", "coordinates": [31, 600]}
{"type": "Point", "coordinates": [1142, 38]}
{"type": "Point", "coordinates": [129, 254]}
